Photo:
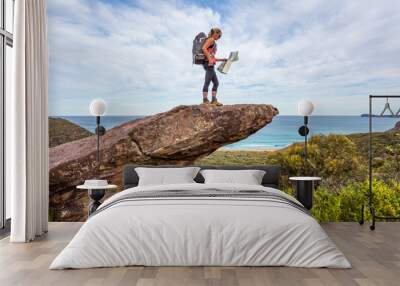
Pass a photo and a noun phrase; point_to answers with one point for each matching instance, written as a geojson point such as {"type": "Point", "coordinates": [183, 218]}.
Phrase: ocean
{"type": "Point", "coordinates": [280, 133]}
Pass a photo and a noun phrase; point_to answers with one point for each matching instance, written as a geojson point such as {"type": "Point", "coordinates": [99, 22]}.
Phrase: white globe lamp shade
{"type": "Point", "coordinates": [97, 107]}
{"type": "Point", "coordinates": [305, 107]}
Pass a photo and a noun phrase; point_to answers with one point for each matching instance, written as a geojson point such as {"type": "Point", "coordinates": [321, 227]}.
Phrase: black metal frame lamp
{"type": "Point", "coordinates": [305, 108]}
{"type": "Point", "coordinates": [370, 203]}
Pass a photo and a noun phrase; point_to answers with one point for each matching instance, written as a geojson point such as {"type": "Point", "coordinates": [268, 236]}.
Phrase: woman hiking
{"type": "Point", "coordinates": [209, 50]}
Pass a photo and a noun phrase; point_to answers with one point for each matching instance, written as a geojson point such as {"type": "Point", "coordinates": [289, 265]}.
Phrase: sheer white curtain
{"type": "Point", "coordinates": [28, 157]}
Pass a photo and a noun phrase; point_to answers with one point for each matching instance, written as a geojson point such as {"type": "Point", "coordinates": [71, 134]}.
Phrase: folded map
{"type": "Point", "coordinates": [225, 66]}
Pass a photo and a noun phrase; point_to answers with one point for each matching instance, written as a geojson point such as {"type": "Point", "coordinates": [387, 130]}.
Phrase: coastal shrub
{"type": "Point", "coordinates": [390, 167]}
{"type": "Point", "coordinates": [335, 155]}
{"type": "Point", "coordinates": [291, 160]}
{"type": "Point", "coordinates": [326, 205]}
{"type": "Point", "coordinates": [335, 158]}
{"type": "Point", "coordinates": [380, 141]}
{"type": "Point", "coordinates": [351, 198]}
{"type": "Point", "coordinates": [386, 197]}
{"type": "Point", "coordinates": [346, 204]}
{"type": "Point", "coordinates": [342, 162]}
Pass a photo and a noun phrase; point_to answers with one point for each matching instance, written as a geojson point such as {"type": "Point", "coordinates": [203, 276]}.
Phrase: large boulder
{"type": "Point", "coordinates": [178, 136]}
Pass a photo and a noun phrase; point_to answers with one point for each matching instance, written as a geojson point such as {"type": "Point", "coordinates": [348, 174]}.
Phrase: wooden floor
{"type": "Point", "coordinates": [375, 257]}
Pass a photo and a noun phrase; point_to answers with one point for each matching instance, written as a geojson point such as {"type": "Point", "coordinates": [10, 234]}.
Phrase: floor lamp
{"type": "Point", "coordinates": [96, 188]}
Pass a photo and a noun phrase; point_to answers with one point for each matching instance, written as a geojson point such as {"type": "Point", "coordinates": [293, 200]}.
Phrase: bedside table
{"type": "Point", "coordinates": [96, 193]}
{"type": "Point", "coordinates": [305, 189]}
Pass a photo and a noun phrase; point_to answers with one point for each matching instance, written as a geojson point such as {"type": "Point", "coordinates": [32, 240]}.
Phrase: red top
{"type": "Point", "coordinates": [212, 51]}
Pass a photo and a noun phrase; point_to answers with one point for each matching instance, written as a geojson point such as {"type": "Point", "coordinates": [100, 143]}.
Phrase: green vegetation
{"type": "Point", "coordinates": [342, 162]}
{"type": "Point", "coordinates": [62, 131]}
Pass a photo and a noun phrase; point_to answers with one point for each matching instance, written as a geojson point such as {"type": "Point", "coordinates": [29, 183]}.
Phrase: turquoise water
{"type": "Point", "coordinates": [280, 133]}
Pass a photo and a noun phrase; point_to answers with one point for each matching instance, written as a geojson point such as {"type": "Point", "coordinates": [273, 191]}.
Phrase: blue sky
{"type": "Point", "coordinates": [136, 55]}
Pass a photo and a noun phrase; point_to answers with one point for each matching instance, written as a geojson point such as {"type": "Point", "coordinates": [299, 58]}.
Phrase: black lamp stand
{"type": "Point", "coordinates": [100, 131]}
{"type": "Point", "coordinates": [303, 131]}
{"type": "Point", "coordinates": [96, 195]}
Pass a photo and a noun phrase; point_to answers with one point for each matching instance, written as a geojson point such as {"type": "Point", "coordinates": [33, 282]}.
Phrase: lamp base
{"type": "Point", "coordinates": [95, 196]}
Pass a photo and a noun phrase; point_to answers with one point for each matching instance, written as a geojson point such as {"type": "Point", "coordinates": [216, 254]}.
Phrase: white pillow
{"type": "Point", "coordinates": [165, 176]}
{"type": "Point", "coordinates": [248, 177]}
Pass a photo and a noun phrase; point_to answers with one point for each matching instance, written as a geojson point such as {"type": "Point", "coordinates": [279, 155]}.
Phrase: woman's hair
{"type": "Point", "coordinates": [213, 31]}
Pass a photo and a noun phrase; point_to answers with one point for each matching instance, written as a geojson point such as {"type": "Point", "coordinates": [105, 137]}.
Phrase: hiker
{"type": "Point", "coordinates": [209, 50]}
{"type": "Point", "coordinates": [208, 60]}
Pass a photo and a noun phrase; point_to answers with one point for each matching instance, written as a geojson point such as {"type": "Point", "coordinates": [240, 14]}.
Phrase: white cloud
{"type": "Point", "coordinates": [137, 56]}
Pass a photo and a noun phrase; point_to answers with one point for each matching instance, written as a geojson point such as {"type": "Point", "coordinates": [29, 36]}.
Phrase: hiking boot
{"type": "Point", "coordinates": [216, 103]}
{"type": "Point", "coordinates": [206, 101]}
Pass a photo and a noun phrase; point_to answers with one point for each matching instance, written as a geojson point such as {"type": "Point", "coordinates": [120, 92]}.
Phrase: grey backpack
{"type": "Point", "coordinates": [197, 49]}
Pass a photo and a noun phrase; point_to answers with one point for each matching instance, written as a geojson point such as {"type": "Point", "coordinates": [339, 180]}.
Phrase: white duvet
{"type": "Point", "coordinates": [200, 231]}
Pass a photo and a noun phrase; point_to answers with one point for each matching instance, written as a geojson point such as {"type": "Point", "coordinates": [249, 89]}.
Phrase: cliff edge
{"type": "Point", "coordinates": [178, 136]}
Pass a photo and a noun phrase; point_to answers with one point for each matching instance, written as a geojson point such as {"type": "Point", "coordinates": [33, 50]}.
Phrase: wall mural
{"type": "Point", "coordinates": [219, 82]}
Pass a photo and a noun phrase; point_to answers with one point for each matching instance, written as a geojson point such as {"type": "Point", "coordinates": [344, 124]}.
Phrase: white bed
{"type": "Point", "coordinates": [202, 231]}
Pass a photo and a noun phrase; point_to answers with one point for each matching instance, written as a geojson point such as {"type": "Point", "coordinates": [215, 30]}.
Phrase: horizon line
{"type": "Point", "coordinates": [65, 115]}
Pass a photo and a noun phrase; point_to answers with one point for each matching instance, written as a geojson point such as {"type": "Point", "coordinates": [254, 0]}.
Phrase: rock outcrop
{"type": "Point", "coordinates": [178, 136]}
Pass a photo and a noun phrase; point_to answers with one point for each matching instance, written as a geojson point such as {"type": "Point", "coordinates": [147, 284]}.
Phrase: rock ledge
{"type": "Point", "coordinates": [178, 136]}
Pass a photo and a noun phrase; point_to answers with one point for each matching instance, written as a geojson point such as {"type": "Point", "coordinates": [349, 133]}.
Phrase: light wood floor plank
{"type": "Point", "coordinates": [375, 257]}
